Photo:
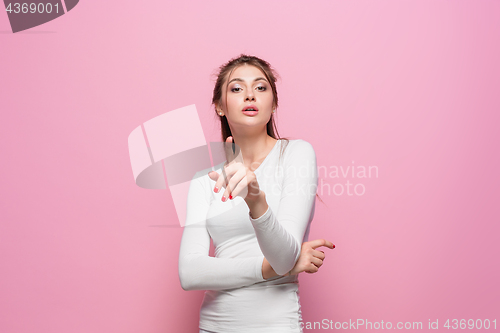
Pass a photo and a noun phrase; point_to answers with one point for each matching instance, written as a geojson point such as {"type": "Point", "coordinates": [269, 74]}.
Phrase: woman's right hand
{"type": "Point", "coordinates": [310, 259]}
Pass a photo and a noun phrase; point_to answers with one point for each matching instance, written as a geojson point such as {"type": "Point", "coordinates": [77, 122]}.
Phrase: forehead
{"type": "Point", "coordinates": [246, 72]}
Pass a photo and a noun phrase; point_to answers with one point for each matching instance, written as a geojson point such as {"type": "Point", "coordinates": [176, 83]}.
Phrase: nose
{"type": "Point", "coordinates": [249, 96]}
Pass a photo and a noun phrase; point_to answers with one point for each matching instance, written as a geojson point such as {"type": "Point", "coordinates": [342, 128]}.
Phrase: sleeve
{"type": "Point", "coordinates": [280, 235]}
{"type": "Point", "coordinates": [198, 270]}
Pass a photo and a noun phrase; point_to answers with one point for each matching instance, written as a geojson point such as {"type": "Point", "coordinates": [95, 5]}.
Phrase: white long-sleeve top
{"type": "Point", "coordinates": [237, 297]}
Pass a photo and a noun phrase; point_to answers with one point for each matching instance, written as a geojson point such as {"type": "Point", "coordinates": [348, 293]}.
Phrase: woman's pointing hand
{"type": "Point", "coordinates": [236, 178]}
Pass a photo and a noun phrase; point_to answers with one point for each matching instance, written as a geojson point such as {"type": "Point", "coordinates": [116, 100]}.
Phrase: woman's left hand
{"type": "Point", "coordinates": [236, 178]}
{"type": "Point", "coordinates": [310, 259]}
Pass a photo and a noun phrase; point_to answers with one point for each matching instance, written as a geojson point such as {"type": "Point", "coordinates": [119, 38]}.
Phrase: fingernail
{"type": "Point", "coordinates": [223, 199]}
{"type": "Point", "coordinates": [216, 189]}
{"type": "Point", "coordinates": [230, 197]}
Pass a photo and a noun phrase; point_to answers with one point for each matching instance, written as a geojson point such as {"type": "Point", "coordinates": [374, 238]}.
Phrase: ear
{"type": "Point", "coordinates": [217, 107]}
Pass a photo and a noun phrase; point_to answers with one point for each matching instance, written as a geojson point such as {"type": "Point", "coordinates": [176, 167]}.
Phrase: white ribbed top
{"type": "Point", "coordinates": [237, 298]}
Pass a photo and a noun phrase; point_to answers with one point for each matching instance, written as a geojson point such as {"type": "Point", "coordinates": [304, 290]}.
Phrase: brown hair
{"type": "Point", "coordinates": [271, 75]}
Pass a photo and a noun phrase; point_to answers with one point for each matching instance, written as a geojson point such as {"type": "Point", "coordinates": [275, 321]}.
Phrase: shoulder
{"type": "Point", "coordinates": [299, 147]}
{"type": "Point", "coordinates": [298, 152]}
{"type": "Point", "coordinates": [300, 144]}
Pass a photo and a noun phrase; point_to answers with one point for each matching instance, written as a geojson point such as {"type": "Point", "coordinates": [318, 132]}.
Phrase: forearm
{"type": "Point", "coordinates": [281, 247]}
{"type": "Point", "coordinates": [210, 273]}
{"type": "Point", "coordinates": [268, 271]}
{"type": "Point", "coordinates": [258, 205]}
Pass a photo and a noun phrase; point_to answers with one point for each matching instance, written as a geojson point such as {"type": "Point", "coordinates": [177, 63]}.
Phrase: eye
{"type": "Point", "coordinates": [233, 89]}
{"type": "Point", "coordinates": [263, 88]}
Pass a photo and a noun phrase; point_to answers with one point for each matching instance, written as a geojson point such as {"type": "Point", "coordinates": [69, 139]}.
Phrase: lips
{"type": "Point", "coordinates": [251, 108]}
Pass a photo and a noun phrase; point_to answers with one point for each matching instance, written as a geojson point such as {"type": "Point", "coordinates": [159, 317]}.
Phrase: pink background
{"type": "Point", "coordinates": [411, 87]}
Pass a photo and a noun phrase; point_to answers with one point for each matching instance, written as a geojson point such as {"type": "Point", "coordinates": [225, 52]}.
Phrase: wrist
{"type": "Point", "coordinates": [257, 205]}
{"type": "Point", "coordinates": [252, 199]}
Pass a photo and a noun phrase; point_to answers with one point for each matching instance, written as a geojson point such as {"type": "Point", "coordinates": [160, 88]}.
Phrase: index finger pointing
{"type": "Point", "coordinates": [321, 242]}
{"type": "Point", "coordinates": [233, 152]}
{"type": "Point", "coordinates": [229, 149]}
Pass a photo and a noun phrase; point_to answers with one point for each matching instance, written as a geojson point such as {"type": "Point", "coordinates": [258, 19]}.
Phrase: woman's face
{"type": "Point", "coordinates": [247, 87]}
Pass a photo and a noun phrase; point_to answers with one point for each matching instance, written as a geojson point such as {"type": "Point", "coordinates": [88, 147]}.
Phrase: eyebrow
{"type": "Point", "coordinates": [240, 80]}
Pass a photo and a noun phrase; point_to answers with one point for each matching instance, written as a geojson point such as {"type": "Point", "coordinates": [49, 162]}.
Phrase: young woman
{"type": "Point", "coordinates": [256, 207]}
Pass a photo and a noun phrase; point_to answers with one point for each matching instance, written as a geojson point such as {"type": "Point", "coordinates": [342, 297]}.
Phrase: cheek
{"type": "Point", "coordinates": [232, 101]}
{"type": "Point", "coordinates": [270, 98]}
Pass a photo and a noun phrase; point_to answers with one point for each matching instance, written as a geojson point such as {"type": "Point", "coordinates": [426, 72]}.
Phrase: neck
{"type": "Point", "coordinates": [254, 148]}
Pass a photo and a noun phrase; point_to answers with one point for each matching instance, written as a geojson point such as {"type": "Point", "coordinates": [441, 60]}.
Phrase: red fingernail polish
{"type": "Point", "coordinates": [223, 199]}
{"type": "Point", "coordinates": [216, 189]}
{"type": "Point", "coordinates": [230, 197]}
